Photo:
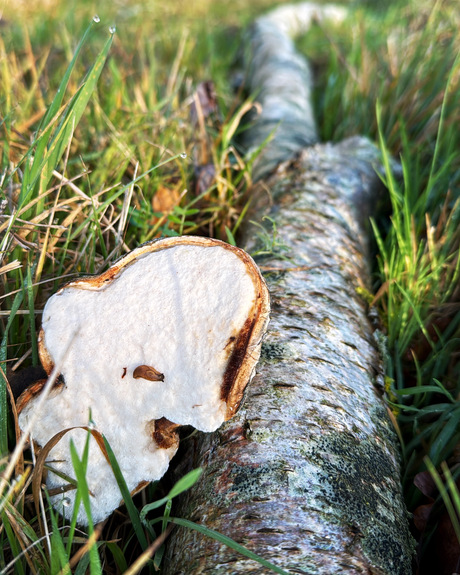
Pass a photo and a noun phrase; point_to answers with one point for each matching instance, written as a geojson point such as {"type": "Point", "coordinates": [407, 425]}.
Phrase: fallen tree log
{"type": "Point", "coordinates": [307, 473]}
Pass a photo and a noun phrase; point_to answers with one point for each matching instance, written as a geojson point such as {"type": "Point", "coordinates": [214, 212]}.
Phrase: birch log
{"type": "Point", "coordinates": [307, 473]}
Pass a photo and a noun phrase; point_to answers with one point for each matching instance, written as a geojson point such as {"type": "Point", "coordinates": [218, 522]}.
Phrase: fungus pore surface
{"type": "Point", "coordinates": [168, 336]}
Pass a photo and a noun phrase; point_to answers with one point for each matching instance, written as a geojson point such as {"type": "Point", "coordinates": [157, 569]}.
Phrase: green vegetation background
{"type": "Point", "coordinates": [89, 171]}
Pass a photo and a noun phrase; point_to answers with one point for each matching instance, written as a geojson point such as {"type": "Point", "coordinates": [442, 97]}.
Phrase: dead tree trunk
{"type": "Point", "coordinates": [307, 473]}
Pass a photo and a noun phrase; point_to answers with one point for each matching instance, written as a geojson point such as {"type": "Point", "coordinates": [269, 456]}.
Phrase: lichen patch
{"type": "Point", "coordinates": [342, 475]}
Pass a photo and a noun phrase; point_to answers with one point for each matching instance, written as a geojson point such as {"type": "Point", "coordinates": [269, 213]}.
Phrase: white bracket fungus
{"type": "Point", "coordinates": [168, 336]}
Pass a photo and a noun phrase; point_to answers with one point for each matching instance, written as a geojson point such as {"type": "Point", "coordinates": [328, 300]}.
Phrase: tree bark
{"type": "Point", "coordinates": [307, 473]}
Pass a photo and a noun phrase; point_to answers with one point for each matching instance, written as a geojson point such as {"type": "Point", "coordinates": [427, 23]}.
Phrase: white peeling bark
{"type": "Point", "coordinates": [307, 473]}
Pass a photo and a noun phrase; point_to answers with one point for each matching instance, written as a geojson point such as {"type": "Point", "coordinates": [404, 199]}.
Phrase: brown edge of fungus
{"type": "Point", "coordinates": [142, 485]}
{"type": "Point", "coordinates": [35, 389]}
{"type": "Point", "coordinates": [236, 358]}
{"type": "Point", "coordinates": [43, 354]}
{"type": "Point", "coordinates": [246, 348]}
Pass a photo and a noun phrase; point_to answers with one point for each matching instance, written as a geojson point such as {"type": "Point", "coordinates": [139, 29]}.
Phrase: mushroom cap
{"type": "Point", "coordinates": [168, 336]}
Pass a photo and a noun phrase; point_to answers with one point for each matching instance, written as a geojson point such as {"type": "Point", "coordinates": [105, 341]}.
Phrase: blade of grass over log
{"type": "Point", "coordinates": [179, 487]}
{"type": "Point", "coordinates": [182, 485]}
{"type": "Point", "coordinates": [225, 540]}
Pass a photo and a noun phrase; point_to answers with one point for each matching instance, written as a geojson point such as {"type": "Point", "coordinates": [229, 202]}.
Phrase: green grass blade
{"type": "Point", "coordinates": [230, 237]}
{"type": "Point", "coordinates": [126, 495]}
{"type": "Point", "coordinates": [80, 467]}
{"type": "Point", "coordinates": [166, 515]}
{"type": "Point", "coordinates": [3, 418]}
{"type": "Point", "coordinates": [154, 505]}
{"type": "Point", "coordinates": [76, 109]}
{"type": "Point", "coordinates": [229, 542]}
{"type": "Point", "coordinates": [446, 439]}
{"type": "Point", "coordinates": [31, 170]}
{"type": "Point", "coordinates": [445, 494]}
{"type": "Point", "coordinates": [33, 549]}
{"type": "Point", "coordinates": [82, 567]}
{"type": "Point", "coordinates": [455, 496]}
{"type": "Point", "coordinates": [118, 556]}
{"type": "Point", "coordinates": [417, 316]}
{"type": "Point", "coordinates": [53, 108]}
{"type": "Point", "coordinates": [439, 139]}
{"type": "Point", "coordinates": [410, 391]}
{"type": "Point", "coordinates": [31, 305]}
{"type": "Point", "coordinates": [443, 390]}
{"type": "Point", "coordinates": [58, 555]}
{"type": "Point", "coordinates": [436, 409]}
{"type": "Point", "coordinates": [185, 483]}
{"type": "Point", "coordinates": [390, 181]}
{"type": "Point", "coordinates": [182, 485]}
{"type": "Point", "coordinates": [14, 544]}
{"type": "Point", "coordinates": [3, 391]}
{"type": "Point", "coordinates": [45, 163]}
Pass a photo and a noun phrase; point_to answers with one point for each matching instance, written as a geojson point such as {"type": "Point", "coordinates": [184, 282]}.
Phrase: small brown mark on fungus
{"type": "Point", "coordinates": [125, 369]}
{"type": "Point", "coordinates": [148, 372]}
{"type": "Point", "coordinates": [165, 434]}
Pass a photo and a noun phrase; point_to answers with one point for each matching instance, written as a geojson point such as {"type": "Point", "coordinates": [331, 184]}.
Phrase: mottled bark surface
{"type": "Point", "coordinates": [307, 473]}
